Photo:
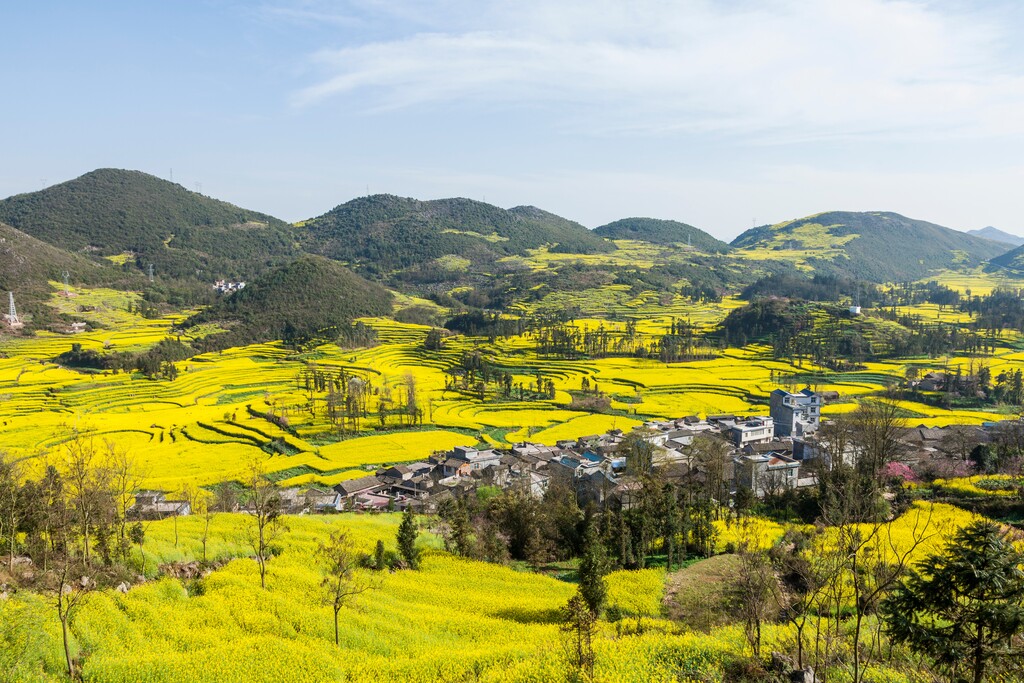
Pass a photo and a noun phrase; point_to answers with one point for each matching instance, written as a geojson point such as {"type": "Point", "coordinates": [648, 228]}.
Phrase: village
{"type": "Point", "coordinates": [765, 455]}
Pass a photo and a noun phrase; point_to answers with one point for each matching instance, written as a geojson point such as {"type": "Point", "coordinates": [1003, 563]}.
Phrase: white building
{"type": "Point", "coordinates": [795, 414]}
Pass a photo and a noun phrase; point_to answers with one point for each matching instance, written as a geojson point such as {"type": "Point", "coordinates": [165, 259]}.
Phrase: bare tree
{"type": "Point", "coordinates": [264, 503]}
{"type": "Point", "coordinates": [341, 582]}
{"type": "Point", "coordinates": [877, 431]}
{"type": "Point", "coordinates": [755, 594]}
{"type": "Point", "coordinates": [125, 481]}
{"type": "Point", "coordinates": [709, 454]}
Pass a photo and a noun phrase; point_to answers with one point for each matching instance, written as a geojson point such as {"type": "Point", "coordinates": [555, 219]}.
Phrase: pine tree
{"type": "Point", "coordinates": [964, 606]}
{"type": "Point", "coordinates": [407, 539]}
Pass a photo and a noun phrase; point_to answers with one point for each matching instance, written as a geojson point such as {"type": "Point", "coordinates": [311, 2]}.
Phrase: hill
{"type": "Point", "coordinates": [1011, 260]}
{"type": "Point", "coordinates": [110, 212]}
{"type": "Point", "coordinates": [27, 265]}
{"type": "Point", "coordinates": [875, 246]}
{"type": "Point", "coordinates": [311, 297]}
{"type": "Point", "coordinates": [659, 231]}
{"type": "Point", "coordinates": [997, 235]}
{"type": "Point", "coordinates": [383, 233]}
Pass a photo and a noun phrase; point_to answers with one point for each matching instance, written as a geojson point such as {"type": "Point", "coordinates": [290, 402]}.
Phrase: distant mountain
{"type": "Point", "coordinates": [308, 297]}
{"type": "Point", "coordinates": [184, 234]}
{"type": "Point", "coordinates": [28, 265]}
{"type": "Point", "coordinates": [660, 231]}
{"type": "Point", "coordinates": [875, 246]}
{"type": "Point", "coordinates": [997, 235]}
{"type": "Point", "coordinates": [383, 233]}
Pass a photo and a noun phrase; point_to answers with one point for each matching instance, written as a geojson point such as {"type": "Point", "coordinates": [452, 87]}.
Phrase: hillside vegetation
{"type": "Point", "coordinates": [1012, 260]}
{"type": "Point", "coordinates": [311, 297]}
{"type": "Point", "coordinates": [133, 215]}
{"type": "Point", "coordinates": [28, 265]}
{"type": "Point", "coordinates": [876, 246]}
{"type": "Point", "coordinates": [384, 233]}
{"type": "Point", "coordinates": [659, 231]}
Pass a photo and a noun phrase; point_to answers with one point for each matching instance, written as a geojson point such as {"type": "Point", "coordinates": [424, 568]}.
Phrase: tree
{"type": "Point", "coordinates": [137, 535]}
{"type": "Point", "coordinates": [964, 605]}
{"type": "Point", "coordinates": [593, 568]}
{"type": "Point", "coordinates": [407, 539]}
{"type": "Point", "coordinates": [340, 582]}
{"type": "Point", "coordinates": [125, 481]}
{"type": "Point", "coordinates": [756, 594]}
{"type": "Point", "coordinates": [264, 501]}
{"type": "Point", "coordinates": [579, 626]}
{"type": "Point", "coordinates": [10, 507]}
{"type": "Point", "coordinates": [639, 453]}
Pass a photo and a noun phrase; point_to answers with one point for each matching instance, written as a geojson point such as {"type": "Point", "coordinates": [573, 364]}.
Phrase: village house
{"type": "Point", "coordinates": [750, 431]}
{"type": "Point", "coordinates": [352, 489]}
{"type": "Point", "coordinates": [795, 414]}
{"type": "Point", "coordinates": [151, 505]}
{"type": "Point", "coordinates": [766, 473]}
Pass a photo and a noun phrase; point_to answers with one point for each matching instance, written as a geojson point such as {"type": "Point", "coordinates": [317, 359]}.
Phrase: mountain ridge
{"type": "Point", "coordinates": [997, 235]}
{"type": "Point", "coordinates": [880, 246]}
{"type": "Point", "coordinates": [108, 211]}
{"type": "Point", "coordinates": [384, 233]}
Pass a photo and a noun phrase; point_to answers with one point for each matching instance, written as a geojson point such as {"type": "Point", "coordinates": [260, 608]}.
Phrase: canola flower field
{"type": "Point", "coordinates": [204, 426]}
{"type": "Point", "coordinates": [453, 620]}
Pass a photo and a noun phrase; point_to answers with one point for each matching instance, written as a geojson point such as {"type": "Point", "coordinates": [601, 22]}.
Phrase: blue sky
{"type": "Point", "coordinates": [719, 114]}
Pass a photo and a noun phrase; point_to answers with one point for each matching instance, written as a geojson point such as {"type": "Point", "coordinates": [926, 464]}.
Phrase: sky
{"type": "Point", "coordinates": [722, 114]}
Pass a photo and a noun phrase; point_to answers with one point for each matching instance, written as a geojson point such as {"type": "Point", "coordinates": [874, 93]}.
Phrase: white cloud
{"type": "Point", "coordinates": [774, 71]}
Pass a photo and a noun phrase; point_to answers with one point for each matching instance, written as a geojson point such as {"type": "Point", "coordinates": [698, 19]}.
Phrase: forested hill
{"type": "Point", "coordinates": [660, 231]}
{"type": "Point", "coordinates": [875, 246]}
{"type": "Point", "coordinates": [184, 234]}
{"type": "Point", "coordinates": [384, 233]}
{"type": "Point", "coordinates": [27, 265]}
{"type": "Point", "coordinates": [1012, 260]}
{"type": "Point", "coordinates": [309, 297]}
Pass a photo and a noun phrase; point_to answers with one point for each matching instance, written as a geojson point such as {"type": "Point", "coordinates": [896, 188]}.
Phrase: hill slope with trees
{"type": "Point", "coordinates": [27, 265]}
{"type": "Point", "coordinates": [875, 246]}
{"type": "Point", "coordinates": [184, 234]}
{"type": "Point", "coordinates": [311, 297]}
{"type": "Point", "coordinates": [658, 231]}
{"type": "Point", "coordinates": [1012, 260]}
{"type": "Point", "coordinates": [384, 233]}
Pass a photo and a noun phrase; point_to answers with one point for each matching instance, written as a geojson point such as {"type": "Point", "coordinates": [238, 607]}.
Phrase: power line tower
{"type": "Point", "coordinates": [12, 318]}
{"type": "Point", "coordinates": [149, 269]}
{"type": "Point", "coordinates": [67, 277]}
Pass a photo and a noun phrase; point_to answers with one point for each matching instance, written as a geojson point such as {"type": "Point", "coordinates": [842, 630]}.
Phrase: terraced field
{"type": "Point", "coordinates": [226, 408]}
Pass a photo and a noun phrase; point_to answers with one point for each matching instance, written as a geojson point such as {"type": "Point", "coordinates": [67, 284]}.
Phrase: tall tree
{"type": "Point", "coordinates": [579, 626]}
{"type": "Point", "coordinates": [10, 504]}
{"type": "Point", "coordinates": [407, 533]}
{"type": "Point", "coordinates": [593, 568]}
{"type": "Point", "coordinates": [963, 606]}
